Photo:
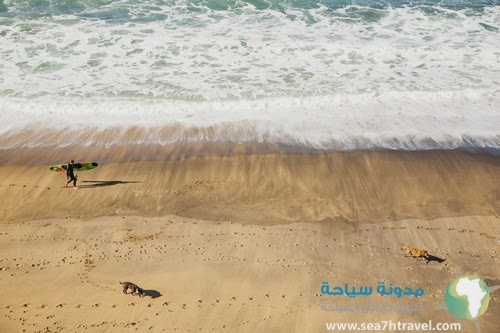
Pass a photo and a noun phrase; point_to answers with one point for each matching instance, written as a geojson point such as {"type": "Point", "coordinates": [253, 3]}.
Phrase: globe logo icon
{"type": "Point", "coordinates": [467, 297]}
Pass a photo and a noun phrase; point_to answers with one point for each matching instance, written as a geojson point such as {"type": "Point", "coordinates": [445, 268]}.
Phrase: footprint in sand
{"type": "Point", "coordinates": [60, 305]}
{"type": "Point", "coordinates": [79, 306]}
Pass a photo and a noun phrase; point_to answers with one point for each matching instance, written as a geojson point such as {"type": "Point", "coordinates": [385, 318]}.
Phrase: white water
{"type": "Point", "coordinates": [408, 121]}
{"type": "Point", "coordinates": [250, 54]}
{"type": "Point", "coordinates": [314, 78]}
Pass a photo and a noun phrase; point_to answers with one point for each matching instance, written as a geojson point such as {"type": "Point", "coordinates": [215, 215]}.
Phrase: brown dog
{"type": "Point", "coordinates": [134, 289]}
{"type": "Point", "coordinates": [415, 252]}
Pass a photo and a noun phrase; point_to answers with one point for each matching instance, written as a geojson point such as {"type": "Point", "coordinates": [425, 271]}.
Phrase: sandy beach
{"type": "Point", "coordinates": [263, 166]}
{"type": "Point", "coordinates": [243, 242]}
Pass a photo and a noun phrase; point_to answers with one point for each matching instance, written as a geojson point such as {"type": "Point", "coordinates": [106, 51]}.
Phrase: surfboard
{"type": "Point", "coordinates": [82, 166]}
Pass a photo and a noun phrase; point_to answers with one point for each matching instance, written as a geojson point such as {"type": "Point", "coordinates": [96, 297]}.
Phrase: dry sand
{"type": "Point", "coordinates": [242, 243]}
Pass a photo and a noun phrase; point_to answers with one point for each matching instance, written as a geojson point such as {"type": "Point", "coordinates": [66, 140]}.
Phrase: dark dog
{"type": "Point", "coordinates": [135, 289]}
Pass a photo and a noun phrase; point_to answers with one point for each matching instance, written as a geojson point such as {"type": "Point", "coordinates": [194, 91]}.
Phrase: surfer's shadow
{"type": "Point", "coordinates": [104, 183]}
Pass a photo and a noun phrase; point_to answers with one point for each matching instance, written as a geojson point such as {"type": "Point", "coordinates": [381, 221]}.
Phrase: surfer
{"type": "Point", "coordinates": [70, 174]}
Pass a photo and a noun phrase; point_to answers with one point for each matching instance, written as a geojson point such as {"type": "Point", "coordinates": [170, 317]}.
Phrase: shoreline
{"type": "Point", "coordinates": [51, 155]}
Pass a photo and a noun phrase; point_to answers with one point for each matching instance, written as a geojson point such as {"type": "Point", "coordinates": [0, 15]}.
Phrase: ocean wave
{"type": "Point", "coordinates": [402, 121]}
{"type": "Point", "coordinates": [249, 52]}
{"type": "Point", "coordinates": [329, 75]}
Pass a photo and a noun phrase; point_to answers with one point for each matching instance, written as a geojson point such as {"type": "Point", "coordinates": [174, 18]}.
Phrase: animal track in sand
{"type": "Point", "coordinates": [487, 236]}
{"type": "Point", "coordinates": [427, 228]}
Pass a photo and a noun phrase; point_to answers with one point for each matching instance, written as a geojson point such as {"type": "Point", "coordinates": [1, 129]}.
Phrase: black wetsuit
{"type": "Point", "coordinates": [70, 174]}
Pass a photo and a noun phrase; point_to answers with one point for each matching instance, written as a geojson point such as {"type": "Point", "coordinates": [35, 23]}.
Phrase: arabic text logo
{"type": "Point", "coordinates": [368, 290]}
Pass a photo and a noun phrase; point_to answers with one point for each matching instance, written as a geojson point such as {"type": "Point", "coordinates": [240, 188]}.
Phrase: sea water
{"type": "Point", "coordinates": [322, 74]}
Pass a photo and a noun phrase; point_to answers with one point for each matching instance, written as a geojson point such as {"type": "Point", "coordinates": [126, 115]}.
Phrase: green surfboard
{"type": "Point", "coordinates": [81, 166]}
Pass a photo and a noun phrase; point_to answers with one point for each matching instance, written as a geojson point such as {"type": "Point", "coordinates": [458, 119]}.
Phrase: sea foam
{"type": "Point", "coordinates": [328, 76]}
{"type": "Point", "coordinates": [407, 121]}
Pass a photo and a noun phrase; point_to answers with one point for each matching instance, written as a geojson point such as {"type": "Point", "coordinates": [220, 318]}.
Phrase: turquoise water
{"type": "Point", "coordinates": [246, 49]}
{"type": "Point", "coordinates": [116, 10]}
{"type": "Point", "coordinates": [329, 74]}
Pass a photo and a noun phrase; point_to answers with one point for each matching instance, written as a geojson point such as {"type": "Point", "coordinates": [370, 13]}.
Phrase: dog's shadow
{"type": "Point", "coordinates": [434, 258]}
{"type": "Point", "coordinates": [152, 293]}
